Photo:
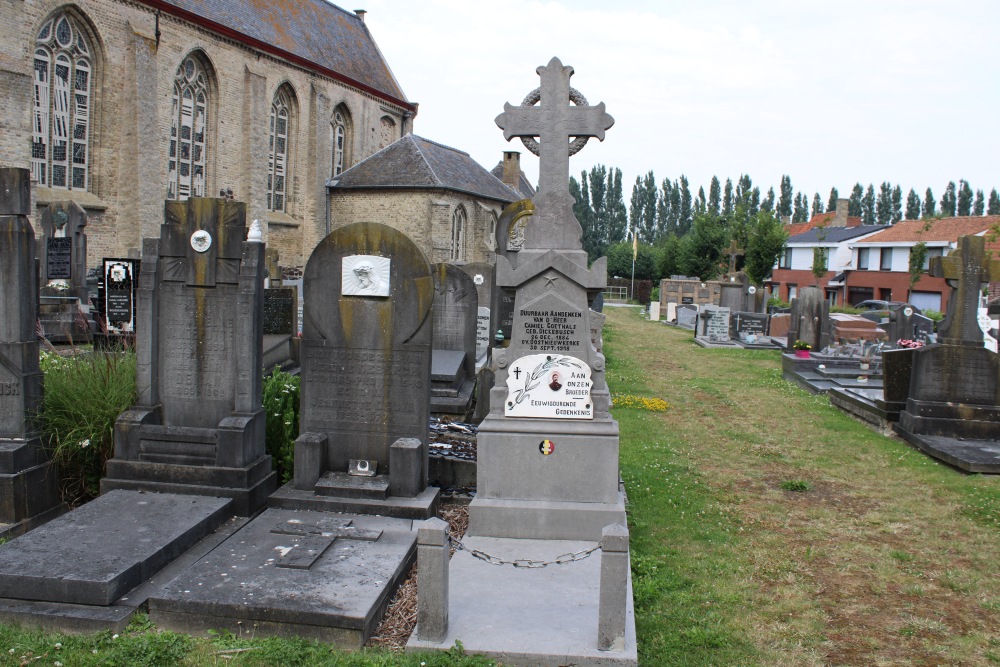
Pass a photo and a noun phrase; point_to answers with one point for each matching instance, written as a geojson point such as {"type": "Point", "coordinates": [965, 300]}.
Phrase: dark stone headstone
{"type": "Point", "coordinates": [29, 490]}
{"type": "Point", "coordinates": [736, 294]}
{"type": "Point", "coordinates": [687, 315]}
{"type": "Point", "coordinates": [810, 312]}
{"type": "Point", "coordinates": [117, 294]}
{"type": "Point", "coordinates": [366, 366]}
{"type": "Point", "coordinates": [281, 311]}
{"type": "Point", "coordinates": [453, 366]}
{"type": "Point", "coordinates": [748, 326]}
{"type": "Point", "coordinates": [64, 311]}
{"type": "Point", "coordinates": [197, 426]}
{"type": "Point", "coordinates": [906, 324]}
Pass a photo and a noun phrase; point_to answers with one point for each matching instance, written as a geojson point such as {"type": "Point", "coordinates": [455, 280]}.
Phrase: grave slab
{"type": "Point", "coordinates": [521, 616]}
{"type": "Point", "coordinates": [867, 405]}
{"type": "Point", "coordinates": [100, 551]}
{"type": "Point", "coordinates": [982, 456]}
{"type": "Point", "coordinates": [339, 596]}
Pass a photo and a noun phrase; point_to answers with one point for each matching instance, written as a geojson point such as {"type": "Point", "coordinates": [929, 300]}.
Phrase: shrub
{"type": "Point", "coordinates": [84, 394]}
{"type": "Point", "coordinates": [281, 407]}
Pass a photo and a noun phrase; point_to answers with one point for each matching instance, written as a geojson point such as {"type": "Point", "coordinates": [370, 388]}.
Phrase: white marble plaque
{"type": "Point", "coordinates": [482, 331]}
{"type": "Point", "coordinates": [549, 386]}
{"type": "Point", "coordinates": [365, 275]}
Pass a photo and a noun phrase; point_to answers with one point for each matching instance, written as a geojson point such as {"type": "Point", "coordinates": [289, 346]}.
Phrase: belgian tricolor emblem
{"type": "Point", "coordinates": [546, 447]}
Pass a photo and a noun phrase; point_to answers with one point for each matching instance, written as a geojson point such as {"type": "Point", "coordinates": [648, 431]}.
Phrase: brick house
{"type": "Point", "coordinates": [439, 196]}
{"type": "Point", "coordinates": [880, 262]}
{"type": "Point", "coordinates": [118, 105]}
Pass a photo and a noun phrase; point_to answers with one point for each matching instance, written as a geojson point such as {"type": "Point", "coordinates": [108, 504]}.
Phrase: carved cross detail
{"type": "Point", "coordinates": [733, 253]}
{"type": "Point", "coordinates": [554, 122]}
{"type": "Point", "coordinates": [966, 269]}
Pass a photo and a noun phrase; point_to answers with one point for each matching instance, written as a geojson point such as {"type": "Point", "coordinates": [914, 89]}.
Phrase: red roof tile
{"type": "Point", "coordinates": [938, 229]}
{"type": "Point", "coordinates": [819, 220]}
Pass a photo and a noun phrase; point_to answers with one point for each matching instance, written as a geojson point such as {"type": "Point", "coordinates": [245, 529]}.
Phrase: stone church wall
{"type": "Point", "coordinates": [131, 120]}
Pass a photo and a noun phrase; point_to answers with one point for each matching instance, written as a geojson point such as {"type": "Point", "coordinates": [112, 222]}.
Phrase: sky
{"type": "Point", "coordinates": [830, 93]}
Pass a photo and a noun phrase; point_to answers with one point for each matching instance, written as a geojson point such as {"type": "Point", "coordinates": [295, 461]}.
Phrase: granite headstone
{"type": "Point", "coordinates": [453, 356]}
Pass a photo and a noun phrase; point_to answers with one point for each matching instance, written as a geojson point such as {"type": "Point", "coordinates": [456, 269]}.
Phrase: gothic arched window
{"type": "Point", "coordinates": [278, 150]}
{"type": "Point", "coordinates": [459, 221]}
{"type": "Point", "coordinates": [341, 130]}
{"type": "Point", "coordinates": [188, 131]}
{"type": "Point", "coordinates": [60, 150]}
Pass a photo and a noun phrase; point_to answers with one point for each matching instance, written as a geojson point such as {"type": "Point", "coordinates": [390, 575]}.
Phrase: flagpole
{"type": "Point", "coordinates": [635, 251]}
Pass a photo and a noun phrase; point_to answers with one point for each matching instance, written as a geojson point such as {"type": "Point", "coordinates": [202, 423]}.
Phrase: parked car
{"type": "Point", "coordinates": [876, 304]}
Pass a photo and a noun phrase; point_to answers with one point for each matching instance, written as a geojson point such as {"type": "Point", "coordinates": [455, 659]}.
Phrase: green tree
{"type": "Point", "coordinates": [666, 216]}
{"type": "Point", "coordinates": [912, 205]}
{"type": "Point", "coordinates": [765, 246]}
{"type": "Point", "coordinates": [868, 206]}
{"type": "Point", "coordinates": [949, 202]}
{"type": "Point", "coordinates": [700, 202]}
{"type": "Point", "coordinates": [883, 204]}
{"type": "Point", "coordinates": [831, 203]}
{"type": "Point", "coordinates": [670, 252]}
{"type": "Point", "coordinates": [768, 203]}
{"type": "Point", "coordinates": [897, 204]}
{"type": "Point", "coordinates": [979, 207]}
{"type": "Point", "coordinates": [728, 201]}
{"type": "Point", "coordinates": [930, 204]}
{"type": "Point", "coordinates": [585, 215]}
{"type": "Point", "coordinates": [684, 220]}
{"type": "Point", "coordinates": [620, 261]}
{"type": "Point", "coordinates": [918, 255]}
{"type": "Point", "coordinates": [785, 198]}
{"type": "Point", "coordinates": [801, 213]}
{"type": "Point", "coordinates": [701, 249]}
{"type": "Point", "coordinates": [617, 215]}
{"type": "Point", "coordinates": [817, 205]}
{"type": "Point", "coordinates": [854, 202]}
{"type": "Point", "coordinates": [964, 198]}
{"type": "Point", "coordinates": [994, 206]}
{"type": "Point", "coordinates": [714, 196]}
{"type": "Point", "coordinates": [821, 255]}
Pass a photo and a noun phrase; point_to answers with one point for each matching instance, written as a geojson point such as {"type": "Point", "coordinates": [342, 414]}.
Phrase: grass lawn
{"type": "Point", "coordinates": [768, 528]}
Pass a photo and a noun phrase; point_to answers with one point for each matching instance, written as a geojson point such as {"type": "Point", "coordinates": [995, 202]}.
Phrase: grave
{"type": "Point", "coordinates": [906, 323]}
{"type": "Point", "coordinates": [672, 312]}
{"type": "Point", "coordinates": [117, 296]}
{"type": "Point", "coordinates": [366, 368]}
{"type": "Point", "coordinates": [453, 355]}
{"type": "Point", "coordinates": [750, 330]}
{"type": "Point", "coordinates": [810, 310]}
{"type": "Point", "coordinates": [482, 276]}
{"type": "Point", "coordinates": [713, 327]}
{"type": "Point", "coordinates": [840, 327]}
{"type": "Point", "coordinates": [548, 478]}
{"type": "Point", "coordinates": [778, 325]}
{"type": "Point", "coordinates": [197, 425]}
{"type": "Point", "coordinates": [654, 311]}
{"type": "Point", "coordinates": [281, 318]}
{"type": "Point", "coordinates": [29, 490]}
{"type": "Point", "coordinates": [64, 300]}
{"type": "Point", "coordinates": [509, 241]}
{"type": "Point", "coordinates": [687, 316]}
{"type": "Point", "coordinates": [953, 408]}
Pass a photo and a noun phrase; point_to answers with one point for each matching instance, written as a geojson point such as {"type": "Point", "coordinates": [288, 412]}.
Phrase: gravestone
{"type": "Point", "coordinates": [366, 369]}
{"type": "Point", "coordinates": [197, 426]}
{"type": "Point", "coordinates": [453, 355]}
{"type": "Point", "coordinates": [687, 315]}
{"type": "Point", "coordinates": [64, 304]}
{"type": "Point", "coordinates": [810, 311]}
{"type": "Point", "coordinates": [482, 276]}
{"type": "Point", "coordinates": [843, 327]}
{"type": "Point", "coordinates": [953, 408]}
{"type": "Point", "coordinates": [779, 324]}
{"type": "Point", "coordinates": [548, 450]}
{"type": "Point", "coordinates": [736, 293]}
{"type": "Point", "coordinates": [713, 324]}
{"type": "Point", "coordinates": [654, 311]}
{"type": "Point", "coordinates": [906, 323]}
{"type": "Point", "coordinates": [510, 231]}
{"type": "Point", "coordinates": [29, 491]}
{"type": "Point", "coordinates": [748, 327]}
{"type": "Point", "coordinates": [671, 311]}
{"type": "Point", "coordinates": [117, 296]}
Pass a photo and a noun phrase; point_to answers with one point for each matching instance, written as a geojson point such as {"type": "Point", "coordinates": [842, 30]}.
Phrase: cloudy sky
{"type": "Point", "coordinates": [831, 93]}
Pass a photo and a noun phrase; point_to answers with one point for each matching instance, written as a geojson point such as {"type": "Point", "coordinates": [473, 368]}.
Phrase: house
{"type": "Point", "coordinates": [830, 231]}
{"type": "Point", "coordinates": [117, 105]}
{"type": "Point", "coordinates": [439, 196]}
{"type": "Point", "coordinates": [880, 262]}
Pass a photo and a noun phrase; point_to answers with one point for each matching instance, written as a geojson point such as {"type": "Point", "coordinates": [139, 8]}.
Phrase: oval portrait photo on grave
{"type": "Point", "coordinates": [549, 386]}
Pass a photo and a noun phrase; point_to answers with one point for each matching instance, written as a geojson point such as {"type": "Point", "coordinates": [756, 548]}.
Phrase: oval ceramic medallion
{"type": "Point", "coordinates": [201, 241]}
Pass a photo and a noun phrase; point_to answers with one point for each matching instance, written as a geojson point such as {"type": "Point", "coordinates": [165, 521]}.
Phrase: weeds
{"type": "Point", "coordinates": [281, 406]}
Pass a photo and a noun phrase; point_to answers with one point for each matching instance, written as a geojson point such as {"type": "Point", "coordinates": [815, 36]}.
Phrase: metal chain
{"type": "Point", "coordinates": [527, 562]}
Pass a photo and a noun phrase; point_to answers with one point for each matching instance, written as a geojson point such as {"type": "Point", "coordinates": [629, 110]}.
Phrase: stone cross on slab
{"type": "Point", "coordinates": [554, 122]}
{"type": "Point", "coordinates": [310, 539]}
{"type": "Point", "coordinates": [966, 269]}
{"type": "Point", "coordinates": [733, 253]}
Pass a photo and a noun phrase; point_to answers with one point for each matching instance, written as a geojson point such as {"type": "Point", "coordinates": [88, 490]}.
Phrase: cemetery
{"type": "Point", "coordinates": [360, 447]}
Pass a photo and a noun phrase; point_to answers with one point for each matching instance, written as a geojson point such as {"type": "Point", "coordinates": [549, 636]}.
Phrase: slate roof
{"type": "Point", "coordinates": [835, 234]}
{"type": "Point", "coordinates": [524, 186]}
{"type": "Point", "coordinates": [943, 229]}
{"type": "Point", "coordinates": [820, 219]}
{"type": "Point", "coordinates": [413, 162]}
{"type": "Point", "coordinates": [311, 32]}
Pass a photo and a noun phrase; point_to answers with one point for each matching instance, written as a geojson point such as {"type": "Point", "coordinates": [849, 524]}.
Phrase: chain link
{"type": "Point", "coordinates": [527, 563]}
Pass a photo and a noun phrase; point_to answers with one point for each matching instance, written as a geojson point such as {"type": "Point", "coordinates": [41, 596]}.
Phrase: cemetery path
{"type": "Point", "coordinates": [770, 528]}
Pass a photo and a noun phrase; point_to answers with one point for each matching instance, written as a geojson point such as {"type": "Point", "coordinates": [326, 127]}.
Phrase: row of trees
{"type": "Point", "coordinates": [683, 232]}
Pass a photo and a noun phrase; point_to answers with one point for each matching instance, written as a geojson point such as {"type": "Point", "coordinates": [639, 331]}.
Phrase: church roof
{"type": "Point", "coordinates": [311, 33]}
{"type": "Point", "coordinates": [524, 186]}
{"type": "Point", "coordinates": [413, 162]}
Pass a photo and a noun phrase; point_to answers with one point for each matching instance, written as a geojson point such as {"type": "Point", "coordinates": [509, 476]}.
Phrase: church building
{"type": "Point", "coordinates": [118, 105]}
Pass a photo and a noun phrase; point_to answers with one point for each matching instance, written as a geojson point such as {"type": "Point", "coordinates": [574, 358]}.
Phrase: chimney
{"type": "Point", "coordinates": [512, 169]}
{"type": "Point", "coordinates": [361, 14]}
{"type": "Point", "coordinates": [786, 219]}
{"type": "Point", "coordinates": [840, 213]}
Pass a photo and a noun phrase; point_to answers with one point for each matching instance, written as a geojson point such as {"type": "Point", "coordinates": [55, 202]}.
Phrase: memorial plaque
{"type": "Point", "coordinates": [280, 311]}
{"type": "Point", "coordinates": [714, 323]}
{"type": "Point", "coordinates": [365, 275]}
{"type": "Point", "coordinates": [745, 325]}
{"type": "Point", "coordinates": [550, 323]}
{"type": "Point", "coordinates": [117, 294]}
{"type": "Point", "coordinates": [549, 386]}
{"type": "Point", "coordinates": [483, 333]}
{"type": "Point", "coordinates": [505, 318]}
{"type": "Point", "coordinates": [60, 258]}
{"type": "Point", "coordinates": [687, 300]}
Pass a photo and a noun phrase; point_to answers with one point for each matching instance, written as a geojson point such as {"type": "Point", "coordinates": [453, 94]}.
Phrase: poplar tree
{"type": "Point", "coordinates": [993, 208]}
{"type": "Point", "coordinates": [684, 220]}
{"type": "Point", "coordinates": [979, 207]}
{"type": "Point", "coordinates": [912, 205]}
{"type": "Point", "coordinates": [883, 204]}
{"type": "Point", "coordinates": [854, 203]}
{"type": "Point", "coordinates": [930, 204]}
{"type": "Point", "coordinates": [714, 196]}
{"type": "Point", "coordinates": [768, 203]}
{"type": "Point", "coordinates": [801, 213]}
{"type": "Point", "coordinates": [831, 204]}
{"type": "Point", "coordinates": [727, 199]}
{"type": "Point", "coordinates": [868, 206]}
{"type": "Point", "coordinates": [785, 196]}
{"type": "Point", "coordinates": [817, 204]}
{"type": "Point", "coordinates": [897, 204]}
{"type": "Point", "coordinates": [700, 203]}
{"type": "Point", "coordinates": [964, 198]}
{"type": "Point", "coordinates": [949, 202]}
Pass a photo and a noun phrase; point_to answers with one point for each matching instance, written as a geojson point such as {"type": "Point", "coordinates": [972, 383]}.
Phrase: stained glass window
{"type": "Point", "coordinates": [189, 121]}
{"type": "Point", "coordinates": [458, 225]}
{"type": "Point", "coordinates": [60, 128]}
{"type": "Point", "coordinates": [277, 157]}
{"type": "Point", "coordinates": [340, 142]}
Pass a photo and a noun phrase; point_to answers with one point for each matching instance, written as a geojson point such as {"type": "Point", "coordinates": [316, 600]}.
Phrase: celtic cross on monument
{"type": "Point", "coordinates": [561, 114]}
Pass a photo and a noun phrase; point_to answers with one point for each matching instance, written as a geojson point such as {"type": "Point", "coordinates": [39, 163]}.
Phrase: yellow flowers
{"type": "Point", "coordinates": [641, 402]}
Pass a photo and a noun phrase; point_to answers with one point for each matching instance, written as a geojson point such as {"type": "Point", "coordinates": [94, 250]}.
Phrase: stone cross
{"type": "Point", "coordinates": [966, 269]}
{"type": "Point", "coordinates": [554, 122]}
{"type": "Point", "coordinates": [733, 253]}
{"type": "Point", "coordinates": [311, 538]}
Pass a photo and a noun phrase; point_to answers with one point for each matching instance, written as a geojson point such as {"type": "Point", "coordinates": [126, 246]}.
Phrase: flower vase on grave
{"type": "Point", "coordinates": [802, 354]}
